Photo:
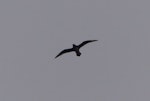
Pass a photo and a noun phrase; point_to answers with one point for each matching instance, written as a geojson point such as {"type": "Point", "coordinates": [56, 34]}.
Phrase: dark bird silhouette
{"type": "Point", "coordinates": [75, 48]}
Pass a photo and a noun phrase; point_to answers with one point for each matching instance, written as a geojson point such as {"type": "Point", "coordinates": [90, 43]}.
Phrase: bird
{"type": "Point", "coordinates": [75, 48]}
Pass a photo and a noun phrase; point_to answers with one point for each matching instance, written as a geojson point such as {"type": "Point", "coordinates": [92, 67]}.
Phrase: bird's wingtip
{"type": "Point", "coordinates": [95, 40]}
{"type": "Point", "coordinates": [56, 57]}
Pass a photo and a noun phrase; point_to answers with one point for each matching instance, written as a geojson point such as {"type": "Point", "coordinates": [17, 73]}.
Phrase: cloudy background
{"type": "Point", "coordinates": [115, 68]}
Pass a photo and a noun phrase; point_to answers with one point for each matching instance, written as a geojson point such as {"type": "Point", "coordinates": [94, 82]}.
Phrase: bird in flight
{"type": "Point", "coordinates": [75, 48]}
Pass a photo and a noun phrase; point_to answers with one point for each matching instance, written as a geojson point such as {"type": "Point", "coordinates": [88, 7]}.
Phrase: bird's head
{"type": "Point", "coordinates": [73, 45]}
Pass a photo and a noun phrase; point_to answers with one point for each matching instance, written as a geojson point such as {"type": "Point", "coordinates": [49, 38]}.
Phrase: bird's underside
{"type": "Point", "coordinates": [75, 48]}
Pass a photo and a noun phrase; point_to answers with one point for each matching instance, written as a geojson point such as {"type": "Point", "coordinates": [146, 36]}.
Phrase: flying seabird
{"type": "Point", "coordinates": [75, 48]}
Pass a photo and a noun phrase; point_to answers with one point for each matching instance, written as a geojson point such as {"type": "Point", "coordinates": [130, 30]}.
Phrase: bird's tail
{"type": "Point", "coordinates": [78, 53]}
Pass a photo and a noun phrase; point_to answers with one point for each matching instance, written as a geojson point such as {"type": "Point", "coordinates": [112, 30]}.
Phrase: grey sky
{"type": "Point", "coordinates": [115, 68]}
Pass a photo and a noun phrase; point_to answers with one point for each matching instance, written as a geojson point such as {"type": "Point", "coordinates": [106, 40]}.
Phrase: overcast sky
{"type": "Point", "coordinates": [115, 68]}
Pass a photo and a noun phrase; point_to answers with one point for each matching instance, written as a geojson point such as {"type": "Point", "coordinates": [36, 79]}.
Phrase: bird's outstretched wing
{"type": "Point", "coordinates": [85, 42]}
{"type": "Point", "coordinates": [64, 51]}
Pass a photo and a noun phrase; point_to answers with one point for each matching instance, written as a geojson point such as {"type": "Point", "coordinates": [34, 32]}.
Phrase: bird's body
{"type": "Point", "coordinates": [75, 48]}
